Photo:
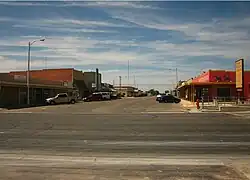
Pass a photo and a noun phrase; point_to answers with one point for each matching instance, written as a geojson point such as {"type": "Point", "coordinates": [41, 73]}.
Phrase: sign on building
{"type": "Point", "coordinates": [239, 72]}
{"type": "Point", "coordinates": [19, 77]}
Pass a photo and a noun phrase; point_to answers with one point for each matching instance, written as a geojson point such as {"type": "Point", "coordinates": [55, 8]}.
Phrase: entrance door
{"type": "Point", "coordinates": [223, 92]}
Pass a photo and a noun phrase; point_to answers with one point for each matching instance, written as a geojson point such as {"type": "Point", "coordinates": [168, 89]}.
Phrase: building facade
{"type": "Point", "coordinates": [13, 90]}
{"type": "Point", "coordinates": [214, 84]}
{"type": "Point", "coordinates": [68, 77]}
{"type": "Point", "coordinates": [92, 83]}
{"type": "Point", "coordinates": [127, 91]}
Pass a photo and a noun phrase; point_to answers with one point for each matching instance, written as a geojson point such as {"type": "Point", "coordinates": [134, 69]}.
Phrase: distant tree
{"type": "Point", "coordinates": [167, 92]}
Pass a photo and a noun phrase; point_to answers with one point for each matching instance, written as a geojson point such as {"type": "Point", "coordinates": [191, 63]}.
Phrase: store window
{"type": "Point", "coordinates": [223, 92]}
{"type": "Point", "coordinates": [204, 92]}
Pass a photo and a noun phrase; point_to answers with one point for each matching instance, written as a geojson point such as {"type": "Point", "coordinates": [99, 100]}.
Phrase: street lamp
{"type": "Point", "coordinates": [28, 71]}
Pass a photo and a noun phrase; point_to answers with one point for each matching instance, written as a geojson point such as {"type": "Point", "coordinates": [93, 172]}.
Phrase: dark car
{"type": "Point", "coordinates": [93, 97]}
{"type": "Point", "coordinates": [169, 99]}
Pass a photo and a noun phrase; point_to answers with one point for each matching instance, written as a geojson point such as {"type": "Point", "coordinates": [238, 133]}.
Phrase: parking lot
{"type": "Point", "coordinates": [125, 105]}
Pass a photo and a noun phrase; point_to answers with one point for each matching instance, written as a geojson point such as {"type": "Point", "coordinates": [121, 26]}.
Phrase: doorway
{"type": "Point", "coordinates": [224, 92]}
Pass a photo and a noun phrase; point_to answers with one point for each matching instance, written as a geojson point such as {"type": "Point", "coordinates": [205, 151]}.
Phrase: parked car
{"type": "Point", "coordinates": [159, 96]}
{"type": "Point", "coordinates": [93, 97]}
{"type": "Point", "coordinates": [105, 95]}
{"type": "Point", "coordinates": [168, 99]}
{"type": "Point", "coordinates": [61, 98]}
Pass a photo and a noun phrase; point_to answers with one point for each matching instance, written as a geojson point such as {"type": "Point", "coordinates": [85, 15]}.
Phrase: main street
{"type": "Point", "coordinates": [132, 144]}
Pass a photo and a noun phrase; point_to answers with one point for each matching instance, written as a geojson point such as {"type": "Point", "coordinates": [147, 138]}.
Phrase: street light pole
{"type": "Point", "coordinates": [28, 77]}
{"type": "Point", "coordinates": [176, 74]}
{"type": "Point", "coordinates": [28, 71]}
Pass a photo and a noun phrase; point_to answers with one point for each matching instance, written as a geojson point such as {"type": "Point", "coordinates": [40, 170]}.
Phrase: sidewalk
{"type": "Point", "coordinates": [187, 104]}
{"type": "Point", "coordinates": [242, 166]}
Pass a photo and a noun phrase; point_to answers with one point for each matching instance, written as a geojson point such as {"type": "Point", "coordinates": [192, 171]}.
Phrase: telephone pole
{"type": "Point", "coordinates": [134, 81]}
{"type": "Point", "coordinates": [176, 74]}
{"type": "Point", "coordinates": [128, 72]}
{"type": "Point", "coordinates": [120, 83]}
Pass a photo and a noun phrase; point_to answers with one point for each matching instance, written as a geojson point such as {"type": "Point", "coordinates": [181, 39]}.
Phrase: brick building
{"type": "Point", "coordinates": [13, 90]}
{"type": "Point", "coordinates": [68, 77]}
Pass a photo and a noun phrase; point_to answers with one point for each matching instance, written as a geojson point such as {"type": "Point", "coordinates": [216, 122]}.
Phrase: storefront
{"type": "Point", "coordinates": [214, 84]}
{"type": "Point", "coordinates": [13, 92]}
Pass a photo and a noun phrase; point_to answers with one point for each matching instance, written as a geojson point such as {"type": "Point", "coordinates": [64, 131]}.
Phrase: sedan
{"type": "Point", "coordinates": [168, 99]}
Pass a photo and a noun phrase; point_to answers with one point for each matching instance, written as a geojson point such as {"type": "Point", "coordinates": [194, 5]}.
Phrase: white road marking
{"type": "Point", "coordinates": [168, 143]}
{"type": "Point", "coordinates": [164, 112]}
{"type": "Point", "coordinates": [14, 160]}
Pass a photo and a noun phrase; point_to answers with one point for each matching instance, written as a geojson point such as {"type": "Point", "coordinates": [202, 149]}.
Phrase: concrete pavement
{"type": "Point", "coordinates": [123, 146]}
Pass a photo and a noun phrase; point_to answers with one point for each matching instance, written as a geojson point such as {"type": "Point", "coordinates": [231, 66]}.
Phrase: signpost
{"type": "Point", "coordinates": [239, 72]}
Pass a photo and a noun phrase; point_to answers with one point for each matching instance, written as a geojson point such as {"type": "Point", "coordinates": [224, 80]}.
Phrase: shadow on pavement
{"type": "Point", "coordinates": [9, 107]}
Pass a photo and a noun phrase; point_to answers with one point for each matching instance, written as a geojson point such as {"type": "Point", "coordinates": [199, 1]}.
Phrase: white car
{"type": "Point", "coordinates": [61, 98]}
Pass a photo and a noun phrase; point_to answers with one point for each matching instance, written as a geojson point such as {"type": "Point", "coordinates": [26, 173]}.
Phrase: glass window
{"type": "Point", "coordinates": [62, 95]}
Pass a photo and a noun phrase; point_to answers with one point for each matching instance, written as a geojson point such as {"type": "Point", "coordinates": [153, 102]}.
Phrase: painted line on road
{"type": "Point", "coordinates": [15, 112]}
{"type": "Point", "coordinates": [164, 112]}
{"type": "Point", "coordinates": [68, 160]}
{"type": "Point", "coordinates": [167, 143]}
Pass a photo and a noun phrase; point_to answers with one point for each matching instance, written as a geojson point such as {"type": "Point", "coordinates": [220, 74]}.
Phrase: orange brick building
{"type": "Point", "coordinates": [68, 77]}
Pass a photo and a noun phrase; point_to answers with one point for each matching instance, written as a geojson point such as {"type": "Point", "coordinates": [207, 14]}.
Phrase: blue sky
{"type": "Point", "coordinates": [155, 37]}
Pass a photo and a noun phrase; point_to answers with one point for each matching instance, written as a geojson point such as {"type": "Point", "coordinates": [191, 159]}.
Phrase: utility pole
{"type": "Point", "coordinates": [28, 76]}
{"type": "Point", "coordinates": [97, 80]}
{"type": "Point", "coordinates": [120, 83]}
{"type": "Point", "coordinates": [45, 62]}
{"type": "Point", "coordinates": [176, 71]}
{"type": "Point", "coordinates": [134, 81]}
{"type": "Point", "coordinates": [128, 72]}
{"type": "Point", "coordinates": [28, 70]}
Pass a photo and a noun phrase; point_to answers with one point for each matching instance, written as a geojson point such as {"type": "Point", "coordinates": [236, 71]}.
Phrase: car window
{"type": "Point", "coordinates": [62, 95]}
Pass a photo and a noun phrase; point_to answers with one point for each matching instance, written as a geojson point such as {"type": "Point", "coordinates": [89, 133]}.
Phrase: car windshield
{"type": "Point", "coordinates": [124, 90]}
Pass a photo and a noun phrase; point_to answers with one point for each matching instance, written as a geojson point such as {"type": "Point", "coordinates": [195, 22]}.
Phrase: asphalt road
{"type": "Point", "coordinates": [125, 105]}
{"type": "Point", "coordinates": [122, 146]}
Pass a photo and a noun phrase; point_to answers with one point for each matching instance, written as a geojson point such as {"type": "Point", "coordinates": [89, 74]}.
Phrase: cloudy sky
{"type": "Point", "coordinates": [154, 37]}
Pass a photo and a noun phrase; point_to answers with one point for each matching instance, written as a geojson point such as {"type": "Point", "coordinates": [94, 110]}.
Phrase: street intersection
{"type": "Point", "coordinates": [123, 139]}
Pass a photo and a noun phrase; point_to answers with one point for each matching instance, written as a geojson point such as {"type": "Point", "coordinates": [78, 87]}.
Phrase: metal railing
{"type": "Point", "coordinates": [224, 101]}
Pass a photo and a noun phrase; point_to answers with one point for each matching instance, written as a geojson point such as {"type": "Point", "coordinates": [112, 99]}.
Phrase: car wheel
{"type": "Point", "coordinates": [72, 101]}
{"type": "Point", "coordinates": [52, 102]}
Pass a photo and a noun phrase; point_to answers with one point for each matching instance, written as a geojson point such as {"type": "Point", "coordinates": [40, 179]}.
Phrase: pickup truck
{"type": "Point", "coordinates": [61, 99]}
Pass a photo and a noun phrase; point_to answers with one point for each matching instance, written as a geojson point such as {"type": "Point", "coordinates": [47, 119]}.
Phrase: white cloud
{"type": "Point", "coordinates": [64, 29]}
{"type": "Point", "coordinates": [101, 4]}
{"type": "Point", "coordinates": [65, 24]}
{"type": "Point", "coordinates": [75, 48]}
{"type": "Point", "coordinates": [8, 64]}
{"type": "Point", "coordinates": [116, 4]}
{"type": "Point", "coordinates": [74, 51]}
{"type": "Point", "coordinates": [220, 37]}
{"type": "Point", "coordinates": [22, 3]}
